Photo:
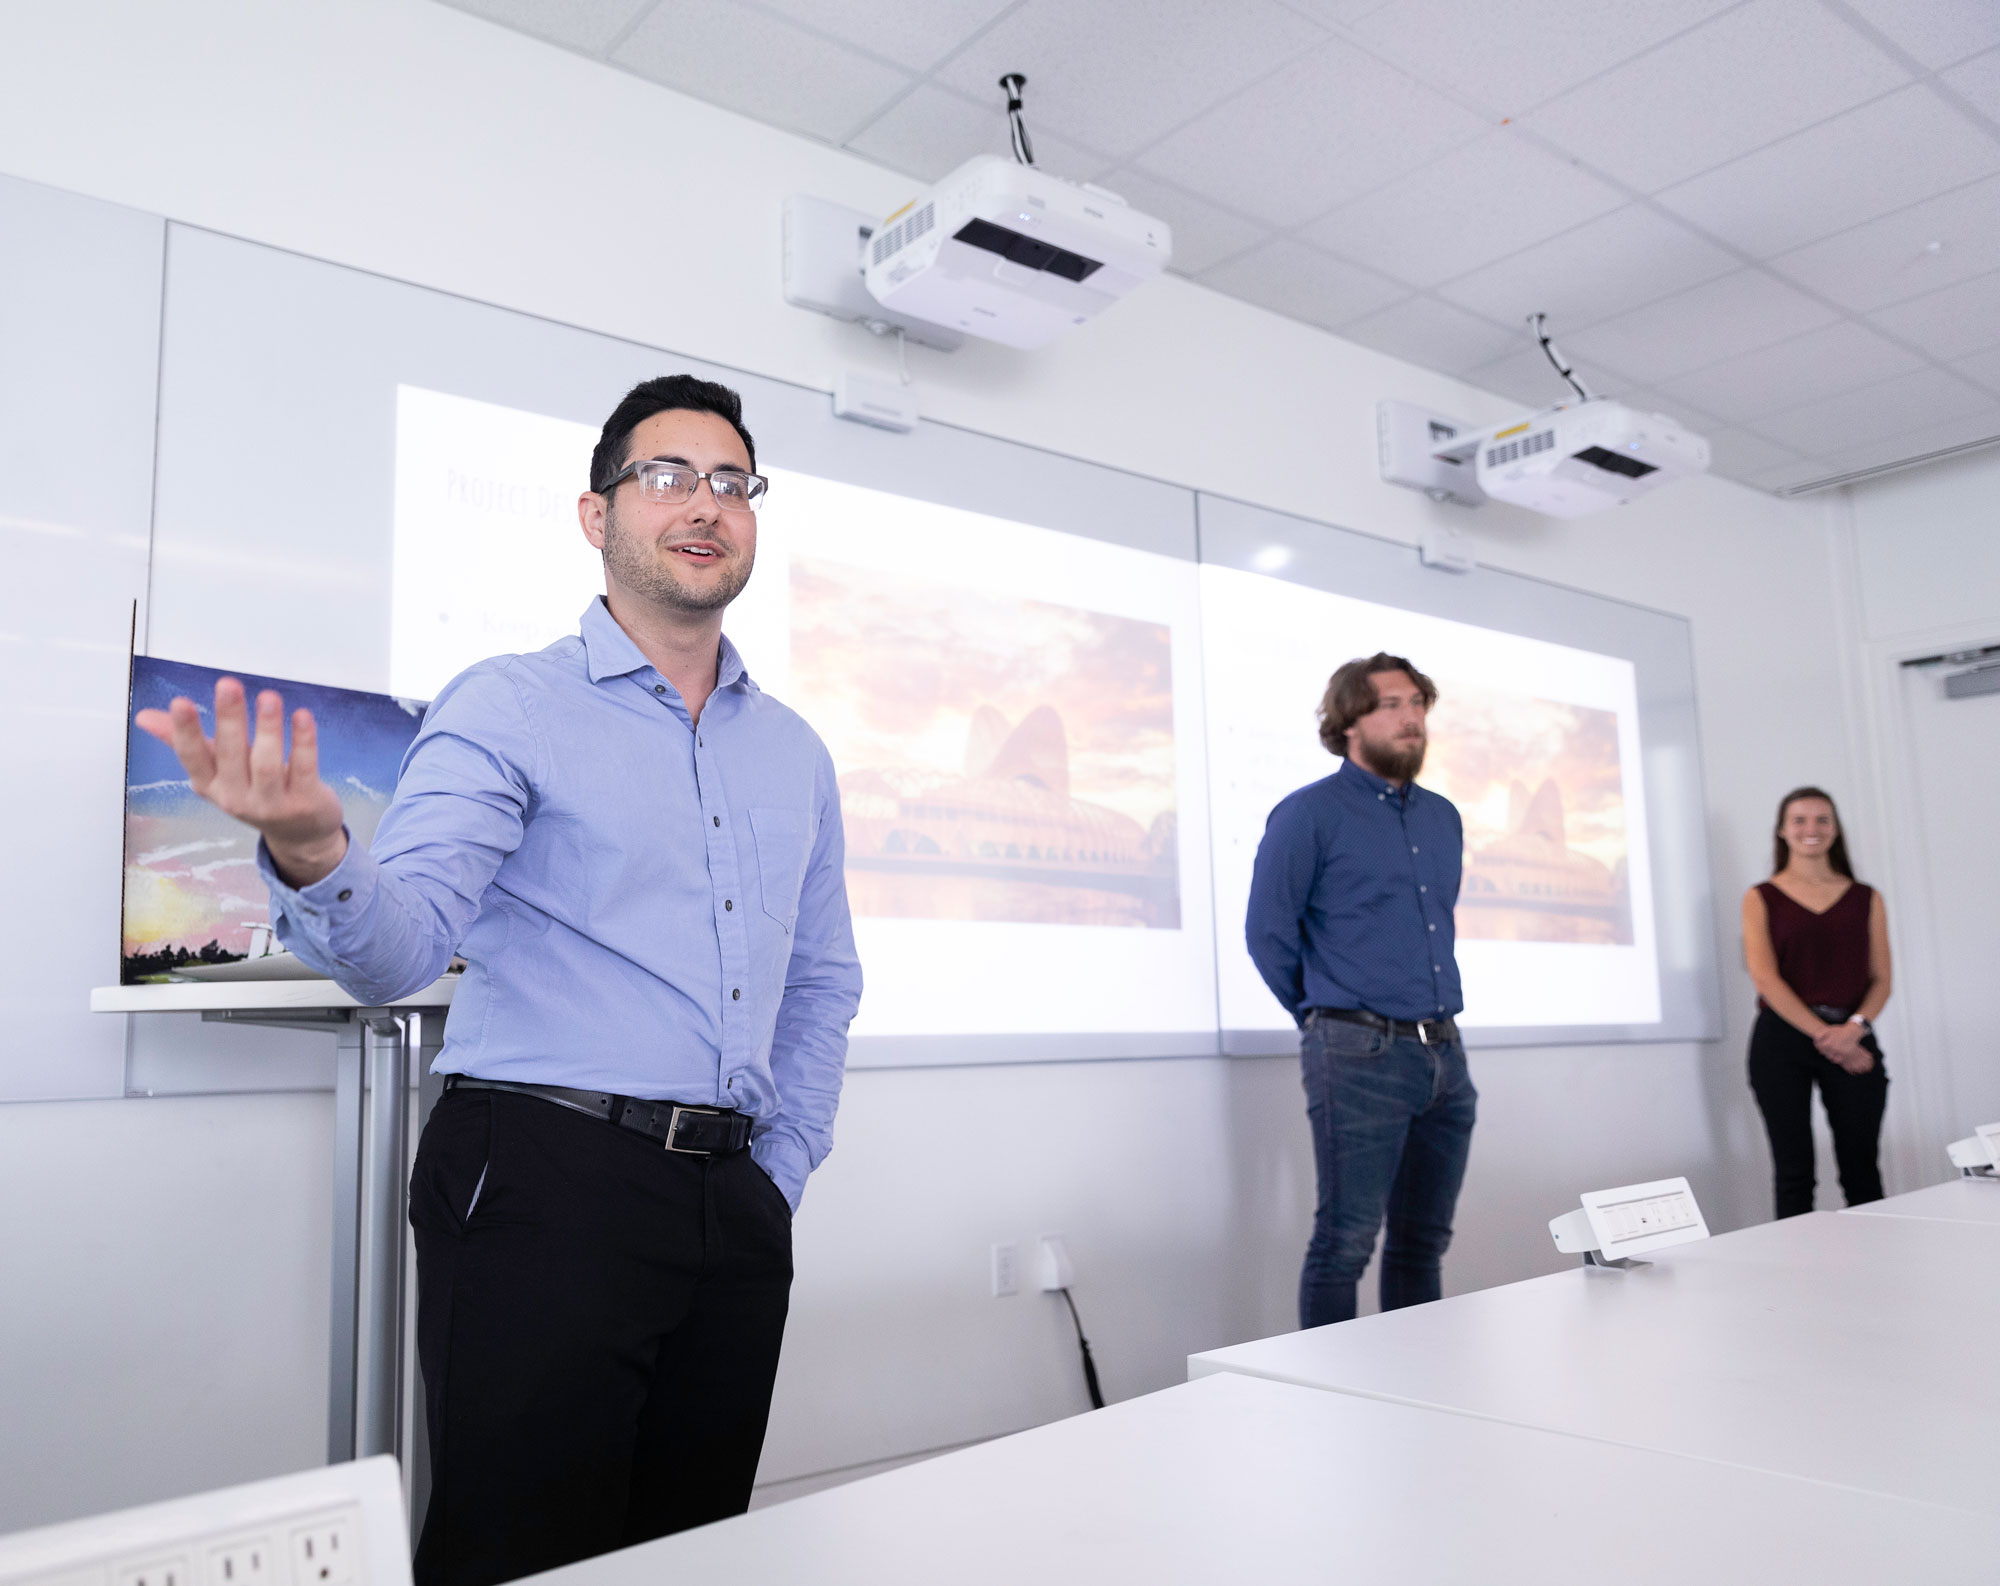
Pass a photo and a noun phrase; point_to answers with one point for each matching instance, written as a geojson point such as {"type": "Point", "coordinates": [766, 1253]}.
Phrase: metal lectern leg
{"type": "Point", "coordinates": [346, 1289]}
{"type": "Point", "coordinates": [385, 1151]}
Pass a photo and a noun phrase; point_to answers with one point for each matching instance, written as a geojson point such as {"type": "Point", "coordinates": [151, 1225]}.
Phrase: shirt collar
{"type": "Point", "coordinates": [610, 651]}
{"type": "Point", "coordinates": [1373, 783]}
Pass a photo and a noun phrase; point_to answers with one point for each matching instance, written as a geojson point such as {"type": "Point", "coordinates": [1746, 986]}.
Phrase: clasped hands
{"type": "Point", "coordinates": [251, 778]}
{"type": "Point", "coordinates": [1841, 1043]}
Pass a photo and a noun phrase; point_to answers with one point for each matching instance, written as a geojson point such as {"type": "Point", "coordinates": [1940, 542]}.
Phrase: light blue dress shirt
{"type": "Point", "coordinates": [645, 906]}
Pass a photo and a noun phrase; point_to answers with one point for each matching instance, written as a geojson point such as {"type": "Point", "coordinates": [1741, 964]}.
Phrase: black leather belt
{"type": "Point", "coordinates": [699, 1131]}
{"type": "Point", "coordinates": [1428, 1031]}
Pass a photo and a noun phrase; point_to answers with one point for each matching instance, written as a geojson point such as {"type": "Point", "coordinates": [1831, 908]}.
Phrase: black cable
{"type": "Point", "coordinates": [1017, 129]}
{"type": "Point", "coordinates": [1555, 358]}
{"type": "Point", "coordinates": [1082, 1343]}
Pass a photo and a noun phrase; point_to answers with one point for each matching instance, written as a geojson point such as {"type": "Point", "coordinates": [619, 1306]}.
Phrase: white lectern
{"type": "Point", "coordinates": [368, 1403]}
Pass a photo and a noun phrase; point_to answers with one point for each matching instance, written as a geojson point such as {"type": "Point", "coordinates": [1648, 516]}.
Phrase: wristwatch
{"type": "Point", "coordinates": [1862, 1019]}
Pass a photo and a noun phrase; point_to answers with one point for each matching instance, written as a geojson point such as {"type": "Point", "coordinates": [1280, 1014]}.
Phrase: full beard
{"type": "Point", "coordinates": [1399, 761]}
{"type": "Point", "coordinates": [637, 565]}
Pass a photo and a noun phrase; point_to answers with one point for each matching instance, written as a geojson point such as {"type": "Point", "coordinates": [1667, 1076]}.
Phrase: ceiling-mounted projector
{"type": "Point", "coordinates": [1011, 254]}
{"type": "Point", "coordinates": [1565, 461]}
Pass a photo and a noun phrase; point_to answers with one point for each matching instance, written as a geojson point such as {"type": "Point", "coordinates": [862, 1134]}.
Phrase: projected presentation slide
{"type": "Point", "coordinates": [1536, 743]}
{"type": "Point", "coordinates": [1014, 715]}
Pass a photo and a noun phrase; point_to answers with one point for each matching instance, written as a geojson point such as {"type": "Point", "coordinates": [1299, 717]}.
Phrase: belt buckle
{"type": "Point", "coordinates": [1424, 1031]}
{"type": "Point", "coordinates": [674, 1128]}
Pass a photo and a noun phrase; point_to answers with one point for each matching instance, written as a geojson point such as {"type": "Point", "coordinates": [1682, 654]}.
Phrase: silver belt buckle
{"type": "Point", "coordinates": [1424, 1030]}
{"type": "Point", "coordinates": [674, 1128]}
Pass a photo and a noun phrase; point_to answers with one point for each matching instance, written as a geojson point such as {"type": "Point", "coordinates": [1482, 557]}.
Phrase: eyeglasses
{"type": "Point", "coordinates": [733, 489]}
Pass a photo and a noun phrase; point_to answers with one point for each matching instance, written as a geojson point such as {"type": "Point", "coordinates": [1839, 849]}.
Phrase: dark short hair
{"type": "Point", "coordinates": [1836, 853]}
{"type": "Point", "coordinates": [1350, 696]}
{"type": "Point", "coordinates": [667, 393]}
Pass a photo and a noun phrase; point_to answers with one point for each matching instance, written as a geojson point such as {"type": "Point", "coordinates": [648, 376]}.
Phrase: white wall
{"type": "Point", "coordinates": [403, 137]}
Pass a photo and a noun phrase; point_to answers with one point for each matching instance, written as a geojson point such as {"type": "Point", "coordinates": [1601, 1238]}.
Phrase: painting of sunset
{"type": "Point", "coordinates": [999, 758]}
{"type": "Point", "coordinates": [192, 893]}
{"type": "Point", "coordinates": [1539, 787]}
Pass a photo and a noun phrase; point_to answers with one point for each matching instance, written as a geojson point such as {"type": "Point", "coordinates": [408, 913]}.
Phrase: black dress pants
{"type": "Point", "coordinates": [1784, 1068]}
{"type": "Point", "coordinates": [598, 1321]}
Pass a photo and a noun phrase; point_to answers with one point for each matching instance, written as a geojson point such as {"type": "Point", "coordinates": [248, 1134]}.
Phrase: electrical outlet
{"type": "Point", "coordinates": [156, 1572]}
{"type": "Point", "coordinates": [1006, 1271]}
{"type": "Point", "coordinates": [323, 1553]}
{"type": "Point", "coordinates": [245, 1562]}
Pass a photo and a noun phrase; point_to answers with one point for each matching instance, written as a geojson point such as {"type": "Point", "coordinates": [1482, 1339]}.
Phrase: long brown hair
{"type": "Point", "coordinates": [1350, 696]}
{"type": "Point", "coordinates": [1781, 851]}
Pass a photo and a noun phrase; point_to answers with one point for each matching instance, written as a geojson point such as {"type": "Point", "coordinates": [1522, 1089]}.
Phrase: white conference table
{"type": "Point", "coordinates": [1852, 1350]}
{"type": "Point", "coordinates": [1964, 1200]}
{"type": "Point", "coordinates": [1232, 1479]}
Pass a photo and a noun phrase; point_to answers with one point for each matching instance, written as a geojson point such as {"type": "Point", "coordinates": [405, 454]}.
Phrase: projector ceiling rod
{"type": "Point", "coordinates": [1024, 151]}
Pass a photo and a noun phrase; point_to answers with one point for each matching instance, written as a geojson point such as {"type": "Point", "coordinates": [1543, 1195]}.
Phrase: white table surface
{"type": "Point", "coordinates": [190, 996]}
{"type": "Point", "coordinates": [1857, 1350]}
{"type": "Point", "coordinates": [1964, 1200]}
{"type": "Point", "coordinates": [1234, 1480]}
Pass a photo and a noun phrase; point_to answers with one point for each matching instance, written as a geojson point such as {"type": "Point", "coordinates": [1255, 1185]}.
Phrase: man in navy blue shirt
{"type": "Point", "coordinates": [1350, 925]}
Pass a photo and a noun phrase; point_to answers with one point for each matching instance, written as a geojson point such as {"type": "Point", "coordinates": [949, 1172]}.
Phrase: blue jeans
{"type": "Point", "coordinates": [1391, 1127]}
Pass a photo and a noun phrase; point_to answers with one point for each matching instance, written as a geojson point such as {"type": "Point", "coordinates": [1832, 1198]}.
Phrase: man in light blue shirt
{"type": "Point", "coordinates": [639, 856]}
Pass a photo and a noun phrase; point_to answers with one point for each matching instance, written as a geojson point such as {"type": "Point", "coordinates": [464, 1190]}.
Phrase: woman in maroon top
{"type": "Point", "coordinates": [1817, 945]}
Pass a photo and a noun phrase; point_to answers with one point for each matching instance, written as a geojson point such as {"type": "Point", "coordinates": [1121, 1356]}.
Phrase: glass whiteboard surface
{"type": "Point", "coordinates": [1564, 732]}
{"type": "Point", "coordinates": [363, 480]}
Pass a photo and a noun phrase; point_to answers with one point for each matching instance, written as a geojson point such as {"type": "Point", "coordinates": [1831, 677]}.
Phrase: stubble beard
{"type": "Point", "coordinates": [636, 564]}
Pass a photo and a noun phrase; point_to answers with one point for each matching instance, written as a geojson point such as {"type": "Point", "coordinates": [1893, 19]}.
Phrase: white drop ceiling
{"type": "Point", "coordinates": [1778, 220]}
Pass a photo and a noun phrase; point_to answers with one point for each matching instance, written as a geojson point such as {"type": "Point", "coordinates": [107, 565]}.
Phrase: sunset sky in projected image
{"type": "Point", "coordinates": [890, 669]}
{"type": "Point", "coordinates": [1483, 739]}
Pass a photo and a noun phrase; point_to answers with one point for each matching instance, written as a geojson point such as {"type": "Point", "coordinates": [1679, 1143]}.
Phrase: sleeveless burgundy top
{"type": "Point", "coordinates": [1822, 957]}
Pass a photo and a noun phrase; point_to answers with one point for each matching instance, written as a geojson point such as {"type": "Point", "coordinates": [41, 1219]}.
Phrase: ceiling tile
{"type": "Point", "coordinates": [1983, 367]}
{"type": "Point", "coordinates": [1936, 32]}
{"type": "Point", "coordinates": [1701, 326]}
{"type": "Point", "coordinates": [801, 83]}
{"type": "Point", "coordinates": [1606, 266]}
{"type": "Point", "coordinates": [931, 132]}
{"type": "Point", "coordinates": [1756, 73]}
{"type": "Point", "coordinates": [1509, 58]}
{"type": "Point", "coordinates": [1324, 130]}
{"type": "Point", "coordinates": [1885, 155]}
{"type": "Point", "coordinates": [916, 33]}
{"type": "Point", "coordinates": [1525, 376]}
{"type": "Point", "coordinates": [1979, 81]}
{"type": "Point", "coordinates": [587, 25]}
{"type": "Point", "coordinates": [1948, 323]}
{"type": "Point", "coordinates": [1739, 454]}
{"type": "Point", "coordinates": [1479, 203]}
{"type": "Point", "coordinates": [1860, 418]}
{"type": "Point", "coordinates": [1965, 429]}
{"type": "Point", "coordinates": [1823, 362]}
{"type": "Point", "coordinates": [1783, 474]}
{"type": "Point", "coordinates": [1203, 234]}
{"type": "Point", "coordinates": [1337, 13]}
{"type": "Point", "coordinates": [1291, 278]}
{"type": "Point", "coordinates": [1117, 74]}
{"type": "Point", "coordinates": [1888, 260]}
{"type": "Point", "coordinates": [1434, 335]}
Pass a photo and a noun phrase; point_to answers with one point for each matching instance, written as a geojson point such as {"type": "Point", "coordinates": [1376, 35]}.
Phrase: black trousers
{"type": "Point", "coordinates": [1784, 1067]}
{"type": "Point", "coordinates": [598, 1337]}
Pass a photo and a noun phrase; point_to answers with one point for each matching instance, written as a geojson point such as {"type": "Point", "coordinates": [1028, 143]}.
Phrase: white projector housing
{"type": "Point", "coordinates": [1009, 253]}
{"type": "Point", "coordinates": [1584, 456]}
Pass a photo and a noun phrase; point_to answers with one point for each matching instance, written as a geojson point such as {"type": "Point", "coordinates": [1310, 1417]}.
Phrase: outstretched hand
{"type": "Point", "coordinates": [286, 800]}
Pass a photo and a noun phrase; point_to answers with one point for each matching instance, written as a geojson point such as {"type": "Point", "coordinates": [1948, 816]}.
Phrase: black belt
{"type": "Point", "coordinates": [701, 1131]}
{"type": "Point", "coordinates": [1428, 1031]}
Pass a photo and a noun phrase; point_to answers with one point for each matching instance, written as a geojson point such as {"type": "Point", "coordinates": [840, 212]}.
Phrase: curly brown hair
{"type": "Point", "coordinates": [1350, 695]}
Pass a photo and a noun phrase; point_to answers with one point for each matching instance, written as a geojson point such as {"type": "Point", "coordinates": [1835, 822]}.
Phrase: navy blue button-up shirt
{"type": "Point", "coordinates": [1351, 900]}
{"type": "Point", "coordinates": [644, 906]}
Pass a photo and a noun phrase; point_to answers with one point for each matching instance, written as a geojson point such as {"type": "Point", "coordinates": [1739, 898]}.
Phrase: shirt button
{"type": "Point", "coordinates": [717, 819]}
{"type": "Point", "coordinates": [736, 995]}
{"type": "Point", "coordinates": [343, 894]}
{"type": "Point", "coordinates": [659, 688]}
{"type": "Point", "coordinates": [1413, 847]}
{"type": "Point", "coordinates": [1438, 968]}
{"type": "Point", "coordinates": [728, 904]}
{"type": "Point", "coordinates": [1422, 888]}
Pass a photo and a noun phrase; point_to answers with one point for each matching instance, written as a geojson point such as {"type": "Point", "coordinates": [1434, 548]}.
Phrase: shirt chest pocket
{"type": "Point", "coordinates": [780, 836]}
